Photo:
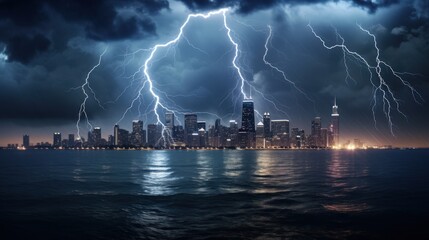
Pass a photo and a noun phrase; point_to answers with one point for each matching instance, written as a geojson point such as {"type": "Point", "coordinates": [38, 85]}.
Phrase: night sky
{"type": "Point", "coordinates": [47, 48]}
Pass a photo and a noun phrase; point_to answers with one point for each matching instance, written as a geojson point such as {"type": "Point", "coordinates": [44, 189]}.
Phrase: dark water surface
{"type": "Point", "coordinates": [230, 194]}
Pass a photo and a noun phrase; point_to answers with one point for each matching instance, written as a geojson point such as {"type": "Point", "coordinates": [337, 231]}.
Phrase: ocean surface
{"type": "Point", "coordinates": [222, 194]}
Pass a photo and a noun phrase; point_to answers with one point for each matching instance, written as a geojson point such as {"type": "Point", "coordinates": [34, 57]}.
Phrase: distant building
{"type": "Point", "coordinates": [267, 125]}
{"type": "Point", "coordinates": [169, 122]}
{"type": "Point", "coordinates": [138, 135]}
{"type": "Point", "coordinates": [246, 134]}
{"type": "Point", "coordinates": [57, 139]}
{"type": "Point", "coordinates": [123, 138]}
{"type": "Point", "coordinates": [301, 140]}
{"type": "Point", "coordinates": [232, 134]}
{"type": "Point", "coordinates": [316, 137]}
{"type": "Point", "coordinates": [97, 136]}
{"type": "Point", "coordinates": [201, 124]}
{"type": "Point", "coordinates": [335, 118]}
{"type": "Point", "coordinates": [357, 143]}
{"type": "Point", "coordinates": [248, 116]}
{"type": "Point", "coordinates": [116, 135]}
{"type": "Point", "coordinates": [94, 137]}
{"type": "Point", "coordinates": [179, 135]}
{"type": "Point", "coordinates": [191, 126]}
{"type": "Point", "coordinates": [216, 134]}
{"type": "Point", "coordinates": [260, 140]}
{"type": "Point", "coordinates": [26, 141]}
{"type": "Point", "coordinates": [293, 140]}
{"type": "Point", "coordinates": [71, 141]}
{"type": "Point", "coordinates": [324, 137]}
{"type": "Point", "coordinates": [202, 137]}
{"type": "Point", "coordinates": [280, 132]}
{"type": "Point", "coordinates": [154, 135]}
{"type": "Point", "coordinates": [111, 140]}
{"type": "Point", "coordinates": [195, 140]}
{"type": "Point", "coordinates": [243, 139]}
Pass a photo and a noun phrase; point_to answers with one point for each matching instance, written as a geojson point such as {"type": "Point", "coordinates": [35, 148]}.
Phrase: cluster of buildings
{"type": "Point", "coordinates": [269, 133]}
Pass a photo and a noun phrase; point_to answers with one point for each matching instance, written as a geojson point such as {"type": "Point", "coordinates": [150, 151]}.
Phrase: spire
{"type": "Point", "coordinates": [335, 108]}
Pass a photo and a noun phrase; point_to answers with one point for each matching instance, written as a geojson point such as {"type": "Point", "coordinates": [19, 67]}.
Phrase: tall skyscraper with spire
{"type": "Point", "coordinates": [246, 134]}
{"type": "Point", "coordinates": [335, 118]}
{"type": "Point", "coordinates": [248, 116]}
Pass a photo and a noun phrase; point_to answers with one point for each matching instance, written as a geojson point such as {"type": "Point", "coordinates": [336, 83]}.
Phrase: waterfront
{"type": "Point", "coordinates": [231, 194]}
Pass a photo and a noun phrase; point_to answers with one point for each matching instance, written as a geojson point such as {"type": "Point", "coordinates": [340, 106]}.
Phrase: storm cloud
{"type": "Point", "coordinates": [51, 45]}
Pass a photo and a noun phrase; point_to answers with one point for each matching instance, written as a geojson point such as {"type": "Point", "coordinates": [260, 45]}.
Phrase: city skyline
{"type": "Point", "coordinates": [293, 58]}
{"type": "Point", "coordinates": [330, 125]}
{"type": "Point", "coordinates": [268, 133]}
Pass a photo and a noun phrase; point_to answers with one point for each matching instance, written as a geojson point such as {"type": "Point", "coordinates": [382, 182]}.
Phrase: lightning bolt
{"type": "Point", "coordinates": [389, 100]}
{"type": "Point", "coordinates": [159, 105]}
{"type": "Point", "coordinates": [264, 58]}
{"type": "Point", "coordinates": [161, 100]}
{"type": "Point", "coordinates": [346, 66]}
{"type": "Point", "coordinates": [82, 109]}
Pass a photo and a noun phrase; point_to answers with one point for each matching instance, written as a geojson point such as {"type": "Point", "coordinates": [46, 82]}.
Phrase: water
{"type": "Point", "coordinates": [227, 194]}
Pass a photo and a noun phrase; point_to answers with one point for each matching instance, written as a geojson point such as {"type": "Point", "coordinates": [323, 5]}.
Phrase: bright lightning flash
{"type": "Point", "coordinates": [389, 100]}
{"type": "Point", "coordinates": [147, 79]}
{"type": "Point", "coordinates": [82, 109]}
{"type": "Point", "coordinates": [159, 98]}
{"type": "Point", "coordinates": [267, 41]}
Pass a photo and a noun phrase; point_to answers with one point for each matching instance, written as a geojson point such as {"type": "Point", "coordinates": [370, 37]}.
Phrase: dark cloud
{"type": "Point", "coordinates": [23, 48]}
{"type": "Point", "coordinates": [22, 13]}
{"type": "Point", "coordinates": [103, 20]}
{"type": "Point", "coordinates": [421, 8]}
{"type": "Point", "coordinates": [373, 6]}
{"type": "Point", "coordinates": [248, 6]}
{"type": "Point", "coordinates": [59, 41]}
{"type": "Point", "coordinates": [30, 22]}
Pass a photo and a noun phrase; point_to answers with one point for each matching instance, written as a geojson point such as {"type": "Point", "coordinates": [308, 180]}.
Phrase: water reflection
{"type": "Point", "coordinates": [344, 178]}
{"type": "Point", "coordinates": [275, 171]}
{"type": "Point", "coordinates": [205, 171]}
{"type": "Point", "coordinates": [204, 166]}
{"type": "Point", "coordinates": [157, 174]}
{"type": "Point", "coordinates": [233, 163]}
{"type": "Point", "coordinates": [77, 172]}
{"type": "Point", "coordinates": [105, 172]}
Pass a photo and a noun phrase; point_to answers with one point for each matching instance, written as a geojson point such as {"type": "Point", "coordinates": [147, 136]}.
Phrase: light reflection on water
{"type": "Point", "coordinates": [213, 194]}
{"type": "Point", "coordinates": [233, 163]}
{"type": "Point", "coordinates": [344, 175]}
{"type": "Point", "coordinates": [157, 174]}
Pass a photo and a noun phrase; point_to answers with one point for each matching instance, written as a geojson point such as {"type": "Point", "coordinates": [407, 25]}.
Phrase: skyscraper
{"type": "Point", "coordinates": [178, 134]}
{"type": "Point", "coordinates": [123, 137]}
{"type": "Point", "coordinates": [323, 137]}
{"type": "Point", "coordinates": [280, 132]}
{"type": "Point", "coordinates": [248, 116]}
{"type": "Point", "coordinates": [316, 134]}
{"type": "Point", "coordinates": [169, 121]}
{"type": "Point", "coordinates": [246, 135]}
{"type": "Point", "coordinates": [57, 139]}
{"type": "Point", "coordinates": [233, 133]}
{"type": "Point", "coordinates": [335, 118]}
{"type": "Point", "coordinates": [26, 141]}
{"type": "Point", "coordinates": [191, 126]}
{"type": "Point", "coordinates": [96, 134]}
{"type": "Point", "coordinates": [260, 141]}
{"type": "Point", "coordinates": [138, 135]}
{"type": "Point", "coordinates": [154, 135]}
{"type": "Point", "coordinates": [71, 141]}
{"type": "Point", "coordinates": [201, 124]}
{"type": "Point", "coordinates": [267, 125]}
{"type": "Point", "coordinates": [116, 135]}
